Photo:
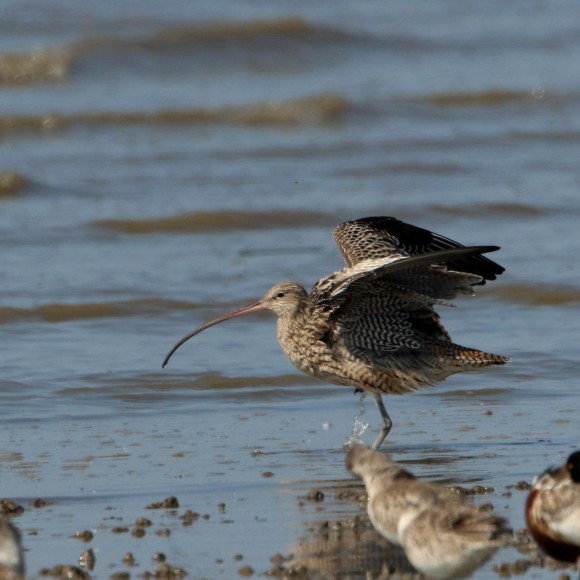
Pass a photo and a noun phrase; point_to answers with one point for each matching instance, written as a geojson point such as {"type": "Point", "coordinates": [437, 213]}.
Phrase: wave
{"type": "Point", "coordinates": [217, 222]}
{"type": "Point", "coordinates": [313, 110]}
{"type": "Point", "coordinates": [68, 312]}
{"type": "Point", "coordinates": [538, 294]}
{"type": "Point", "coordinates": [491, 97]}
{"type": "Point", "coordinates": [11, 183]}
{"type": "Point", "coordinates": [159, 386]}
{"type": "Point", "coordinates": [274, 30]}
{"type": "Point", "coordinates": [492, 208]}
{"type": "Point", "coordinates": [57, 64]}
{"type": "Point", "coordinates": [50, 65]}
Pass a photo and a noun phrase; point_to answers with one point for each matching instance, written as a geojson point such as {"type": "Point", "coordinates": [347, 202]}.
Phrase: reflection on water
{"type": "Point", "coordinates": [348, 549]}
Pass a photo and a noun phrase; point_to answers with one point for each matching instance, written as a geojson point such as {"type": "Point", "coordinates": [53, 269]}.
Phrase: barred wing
{"type": "Point", "coordinates": [383, 237]}
{"type": "Point", "coordinates": [380, 311]}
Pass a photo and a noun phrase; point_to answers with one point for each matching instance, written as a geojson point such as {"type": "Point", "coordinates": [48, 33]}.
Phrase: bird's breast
{"type": "Point", "coordinates": [302, 345]}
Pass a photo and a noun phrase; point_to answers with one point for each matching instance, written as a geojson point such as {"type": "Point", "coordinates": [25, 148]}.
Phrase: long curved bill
{"type": "Point", "coordinates": [246, 310]}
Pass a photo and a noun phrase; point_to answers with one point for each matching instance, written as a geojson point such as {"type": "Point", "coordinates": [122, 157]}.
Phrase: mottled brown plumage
{"type": "Point", "coordinates": [373, 325]}
{"type": "Point", "coordinates": [553, 510]}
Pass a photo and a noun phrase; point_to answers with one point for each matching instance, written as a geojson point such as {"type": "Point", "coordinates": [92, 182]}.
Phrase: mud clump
{"type": "Point", "coordinates": [167, 503]}
{"type": "Point", "coordinates": [39, 503]}
{"type": "Point", "coordinates": [65, 572]}
{"type": "Point", "coordinates": [84, 536]}
{"type": "Point", "coordinates": [315, 496]}
{"type": "Point", "coordinates": [87, 559]}
{"type": "Point", "coordinates": [10, 508]}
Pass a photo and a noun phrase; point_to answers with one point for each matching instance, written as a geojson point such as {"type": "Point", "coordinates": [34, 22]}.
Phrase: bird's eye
{"type": "Point", "coordinates": [280, 294]}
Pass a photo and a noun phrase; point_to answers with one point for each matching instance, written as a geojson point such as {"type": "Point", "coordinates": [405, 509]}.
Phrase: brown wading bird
{"type": "Point", "coordinates": [372, 325]}
{"type": "Point", "coordinates": [553, 510]}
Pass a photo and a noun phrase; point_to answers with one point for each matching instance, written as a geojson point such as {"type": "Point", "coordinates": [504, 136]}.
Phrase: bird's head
{"type": "Point", "coordinates": [283, 299]}
{"type": "Point", "coordinates": [573, 466]}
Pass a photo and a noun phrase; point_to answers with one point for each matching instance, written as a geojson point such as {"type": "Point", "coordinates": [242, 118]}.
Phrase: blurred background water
{"type": "Point", "coordinates": [166, 162]}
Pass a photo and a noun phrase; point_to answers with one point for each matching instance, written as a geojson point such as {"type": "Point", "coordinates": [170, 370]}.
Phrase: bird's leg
{"type": "Point", "coordinates": [387, 423]}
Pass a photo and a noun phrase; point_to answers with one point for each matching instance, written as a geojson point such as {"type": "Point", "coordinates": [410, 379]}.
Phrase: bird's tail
{"type": "Point", "coordinates": [469, 358]}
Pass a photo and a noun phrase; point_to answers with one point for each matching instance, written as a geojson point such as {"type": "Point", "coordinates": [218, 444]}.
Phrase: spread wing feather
{"type": "Point", "coordinates": [381, 310]}
{"type": "Point", "coordinates": [382, 237]}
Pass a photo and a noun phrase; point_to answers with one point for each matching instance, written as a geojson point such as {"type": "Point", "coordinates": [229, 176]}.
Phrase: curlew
{"type": "Point", "coordinates": [372, 325]}
{"type": "Point", "coordinates": [553, 510]}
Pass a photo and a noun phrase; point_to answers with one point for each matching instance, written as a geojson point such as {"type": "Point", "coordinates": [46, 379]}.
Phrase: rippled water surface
{"type": "Point", "coordinates": [163, 164]}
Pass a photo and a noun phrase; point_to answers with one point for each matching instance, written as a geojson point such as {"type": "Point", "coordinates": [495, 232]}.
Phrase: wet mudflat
{"type": "Point", "coordinates": [163, 165]}
{"type": "Point", "coordinates": [248, 488]}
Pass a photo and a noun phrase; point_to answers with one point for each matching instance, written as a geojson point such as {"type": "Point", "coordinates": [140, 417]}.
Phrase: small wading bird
{"type": "Point", "coordinates": [443, 536]}
{"type": "Point", "coordinates": [553, 510]}
{"type": "Point", "coordinates": [387, 485]}
{"type": "Point", "coordinates": [372, 325]}
{"type": "Point", "coordinates": [11, 556]}
{"type": "Point", "coordinates": [446, 540]}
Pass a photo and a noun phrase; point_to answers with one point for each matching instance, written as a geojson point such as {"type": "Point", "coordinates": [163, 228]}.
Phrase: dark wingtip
{"type": "Point", "coordinates": [416, 240]}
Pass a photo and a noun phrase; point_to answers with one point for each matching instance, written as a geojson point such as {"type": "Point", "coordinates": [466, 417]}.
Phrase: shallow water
{"type": "Point", "coordinates": [175, 165]}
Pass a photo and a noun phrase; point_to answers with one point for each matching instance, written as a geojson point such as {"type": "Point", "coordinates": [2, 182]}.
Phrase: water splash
{"type": "Point", "coordinates": [359, 426]}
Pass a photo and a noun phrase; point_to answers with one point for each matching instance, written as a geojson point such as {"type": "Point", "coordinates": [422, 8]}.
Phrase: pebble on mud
{"type": "Point", "coordinates": [246, 571]}
{"type": "Point", "coordinates": [40, 503]}
{"type": "Point", "coordinates": [267, 474]}
{"type": "Point", "coordinates": [87, 559]}
{"type": "Point", "coordinates": [10, 508]}
{"type": "Point", "coordinates": [166, 572]}
{"type": "Point", "coordinates": [278, 559]}
{"type": "Point", "coordinates": [475, 490]}
{"type": "Point", "coordinates": [167, 503]}
{"type": "Point", "coordinates": [505, 570]}
{"type": "Point", "coordinates": [120, 530]}
{"type": "Point", "coordinates": [84, 536]}
{"type": "Point", "coordinates": [189, 517]}
{"type": "Point", "coordinates": [129, 559]}
{"type": "Point", "coordinates": [315, 495]}
{"type": "Point", "coordinates": [66, 572]}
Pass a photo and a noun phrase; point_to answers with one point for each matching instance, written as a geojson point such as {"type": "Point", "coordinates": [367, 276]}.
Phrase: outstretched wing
{"type": "Point", "coordinates": [430, 275]}
{"type": "Point", "coordinates": [383, 237]}
{"type": "Point", "coordinates": [380, 311]}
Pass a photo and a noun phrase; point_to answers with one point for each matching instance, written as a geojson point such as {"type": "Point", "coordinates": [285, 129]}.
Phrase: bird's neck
{"type": "Point", "coordinates": [292, 323]}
